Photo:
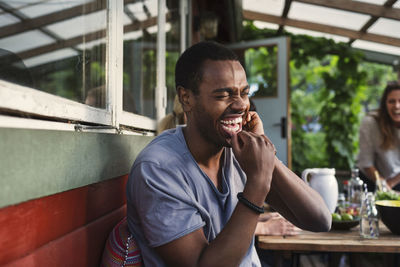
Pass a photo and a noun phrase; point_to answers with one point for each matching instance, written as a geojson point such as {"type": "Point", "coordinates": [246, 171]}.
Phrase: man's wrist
{"type": "Point", "coordinates": [249, 204]}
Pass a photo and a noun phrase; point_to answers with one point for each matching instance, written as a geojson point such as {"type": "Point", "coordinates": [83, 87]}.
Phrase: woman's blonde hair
{"type": "Point", "coordinates": [170, 121]}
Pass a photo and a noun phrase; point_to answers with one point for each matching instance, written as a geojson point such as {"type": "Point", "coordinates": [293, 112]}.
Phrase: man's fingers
{"type": "Point", "coordinates": [268, 142]}
{"type": "Point", "coordinates": [237, 142]}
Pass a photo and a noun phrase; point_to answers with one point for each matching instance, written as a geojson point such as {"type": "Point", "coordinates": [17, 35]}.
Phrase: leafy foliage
{"type": "Point", "coordinates": [327, 89]}
{"type": "Point", "coordinates": [262, 70]}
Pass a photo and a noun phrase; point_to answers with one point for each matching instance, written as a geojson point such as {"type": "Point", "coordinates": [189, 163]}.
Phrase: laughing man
{"type": "Point", "coordinates": [195, 193]}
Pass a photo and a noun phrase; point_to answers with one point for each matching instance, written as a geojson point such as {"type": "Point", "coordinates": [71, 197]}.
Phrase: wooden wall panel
{"type": "Point", "coordinates": [32, 224]}
{"type": "Point", "coordinates": [80, 248]}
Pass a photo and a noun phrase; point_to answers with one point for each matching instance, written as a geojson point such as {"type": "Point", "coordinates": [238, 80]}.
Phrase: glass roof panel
{"type": "Point", "coordinates": [126, 19]}
{"type": "Point", "coordinates": [133, 35]}
{"type": "Point", "coordinates": [272, 7]}
{"type": "Point", "coordinates": [328, 16]}
{"type": "Point", "coordinates": [153, 29]}
{"type": "Point", "coordinates": [7, 19]}
{"type": "Point", "coordinates": [16, 4]}
{"type": "Point", "coordinates": [47, 7]}
{"type": "Point", "coordinates": [50, 57]}
{"type": "Point", "coordinates": [152, 7]}
{"type": "Point", "coordinates": [80, 25]}
{"type": "Point", "coordinates": [137, 10]}
{"type": "Point", "coordinates": [376, 2]}
{"type": "Point", "coordinates": [262, 25]}
{"type": "Point", "coordinates": [90, 45]}
{"type": "Point", "coordinates": [18, 43]}
{"type": "Point", "coordinates": [387, 49]}
{"type": "Point", "coordinates": [387, 27]}
{"type": "Point", "coordinates": [336, 38]}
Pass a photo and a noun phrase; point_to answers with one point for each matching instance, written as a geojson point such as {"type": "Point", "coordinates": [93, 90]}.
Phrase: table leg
{"type": "Point", "coordinates": [335, 259]}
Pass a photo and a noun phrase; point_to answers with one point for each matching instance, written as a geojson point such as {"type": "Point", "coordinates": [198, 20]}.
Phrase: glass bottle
{"type": "Point", "coordinates": [356, 189]}
{"type": "Point", "coordinates": [369, 220]}
{"type": "Point", "coordinates": [346, 192]}
{"type": "Point", "coordinates": [341, 201]}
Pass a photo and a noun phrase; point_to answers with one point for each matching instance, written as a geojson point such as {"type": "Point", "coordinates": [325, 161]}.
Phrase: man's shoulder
{"type": "Point", "coordinates": [167, 146]}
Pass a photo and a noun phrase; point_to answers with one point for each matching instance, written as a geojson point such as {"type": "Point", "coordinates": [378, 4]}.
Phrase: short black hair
{"type": "Point", "coordinates": [189, 67]}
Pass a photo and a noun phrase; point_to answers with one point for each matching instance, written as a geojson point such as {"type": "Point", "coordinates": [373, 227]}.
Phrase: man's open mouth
{"type": "Point", "coordinates": [232, 125]}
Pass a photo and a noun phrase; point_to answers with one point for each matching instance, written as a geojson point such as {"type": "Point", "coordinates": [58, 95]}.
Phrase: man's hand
{"type": "Point", "coordinates": [274, 224]}
{"type": "Point", "coordinates": [256, 158]}
{"type": "Point", "coordinates": [253, 123]}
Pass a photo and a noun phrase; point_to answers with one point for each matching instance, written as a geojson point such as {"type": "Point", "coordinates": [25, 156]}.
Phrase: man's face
{"type": "Point", "coordinates": [222, 101]}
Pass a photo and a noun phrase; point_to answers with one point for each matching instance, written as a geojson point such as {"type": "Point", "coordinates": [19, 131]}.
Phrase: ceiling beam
{"type": "Point", "coordinates": [373, 19]}
{"type": "Point", "coordinates": [358, 7]}
{"type": "Point", "coordinates": [137, 25]}
{"type": "Point", "coordinates": [46, 20]}
{"type": "Point", "coordinates": [251, 15]}
{"type": "Point", "coordinates": [22, 17]}
{"type": "Point", "coordinates": [285, 13]}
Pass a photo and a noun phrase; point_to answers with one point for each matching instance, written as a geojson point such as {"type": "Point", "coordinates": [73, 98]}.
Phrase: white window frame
{"type": "Point", "coordinates": [68, 113]}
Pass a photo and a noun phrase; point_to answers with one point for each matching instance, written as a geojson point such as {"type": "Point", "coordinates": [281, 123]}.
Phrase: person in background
{"type": "Point", "coordinates": [171, 120]}
{"type": "Point", "coordinates": [380, 141]}
{"type": "Point", "coordinates": [195, 193]}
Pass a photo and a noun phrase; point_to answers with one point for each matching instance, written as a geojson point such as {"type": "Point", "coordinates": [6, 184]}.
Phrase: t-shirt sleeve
{"type": "Point", "coordinates": [367, 133]}
{"type": "Point", "coordinates": [164, 205]}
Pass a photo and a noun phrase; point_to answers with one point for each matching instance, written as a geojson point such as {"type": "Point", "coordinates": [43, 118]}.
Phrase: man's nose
{"type": "Point", "coordinates": [239, 104]}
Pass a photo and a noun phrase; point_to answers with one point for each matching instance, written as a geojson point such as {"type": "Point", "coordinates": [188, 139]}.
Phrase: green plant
{"type": "Point", "coordinates": [339, 86]}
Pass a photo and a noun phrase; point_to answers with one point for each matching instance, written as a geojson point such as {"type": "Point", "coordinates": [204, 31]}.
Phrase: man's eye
{"type": "Point", "coordinates": [244, 93]}
{"type": "Point", "coordinates": [222, 96]}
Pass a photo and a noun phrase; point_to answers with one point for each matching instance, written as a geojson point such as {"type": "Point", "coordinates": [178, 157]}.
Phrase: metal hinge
{"type": "Point", "coordinates": [80, 128]}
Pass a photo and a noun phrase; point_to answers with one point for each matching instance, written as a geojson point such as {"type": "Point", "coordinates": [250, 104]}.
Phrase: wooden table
{"type": "Point", "coordinates": [334, 241]}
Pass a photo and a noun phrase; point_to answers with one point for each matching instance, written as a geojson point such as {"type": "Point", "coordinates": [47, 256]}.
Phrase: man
{"type": "Point", "coordinates": [195, 193]}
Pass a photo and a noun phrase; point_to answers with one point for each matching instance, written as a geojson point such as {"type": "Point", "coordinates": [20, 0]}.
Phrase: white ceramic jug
{"type": "Point", "coordinates": [324, 182]}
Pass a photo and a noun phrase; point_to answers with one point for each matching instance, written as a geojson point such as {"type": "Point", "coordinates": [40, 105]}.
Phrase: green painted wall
{"type": "Point", "coordinates": [37, 163]}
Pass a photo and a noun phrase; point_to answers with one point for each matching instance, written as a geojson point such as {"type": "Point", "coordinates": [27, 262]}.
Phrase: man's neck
{"type": "Point", "coordinates": [207, 156]}
{"type": "Point", "coordinates": [205, 153]}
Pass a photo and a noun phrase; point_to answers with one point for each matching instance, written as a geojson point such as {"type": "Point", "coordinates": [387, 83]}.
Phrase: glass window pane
{"type": "Point", "coordinates": [261, 70]}
{"type": "Point", "coordinates": [56, 46]}
{"type": "Point", "coordinates": [172, 50]}
{"type": "Point", "coordinates": [140, 55]}
{"type": "Point", "coordinates": [140, 51]}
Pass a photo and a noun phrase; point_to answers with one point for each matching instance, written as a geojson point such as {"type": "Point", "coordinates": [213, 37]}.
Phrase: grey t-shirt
{"type": "Point", "coordinates": [387, 162]}
{"type": "Point", "coordinates": [169, 196]}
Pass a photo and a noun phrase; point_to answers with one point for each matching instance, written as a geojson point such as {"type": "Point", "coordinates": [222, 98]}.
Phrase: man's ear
{"type": "Point", "coordinates": [185, 97]}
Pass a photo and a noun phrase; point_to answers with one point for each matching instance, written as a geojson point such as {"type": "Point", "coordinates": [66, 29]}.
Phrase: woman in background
{"type": "Point", "coordinates": [380, 141]}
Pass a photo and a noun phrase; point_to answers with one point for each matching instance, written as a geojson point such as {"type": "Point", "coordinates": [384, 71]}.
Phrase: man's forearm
{"type": "Point", "coordinates": [232, 243]}
{"type": "Point", "coordinates": [298, 202]}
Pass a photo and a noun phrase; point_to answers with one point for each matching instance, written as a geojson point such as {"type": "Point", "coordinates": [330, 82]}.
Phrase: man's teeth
{"type": "Point", "coordinates": [237, 120]}
{"type": "Point", "coordinates": [231, 129]}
